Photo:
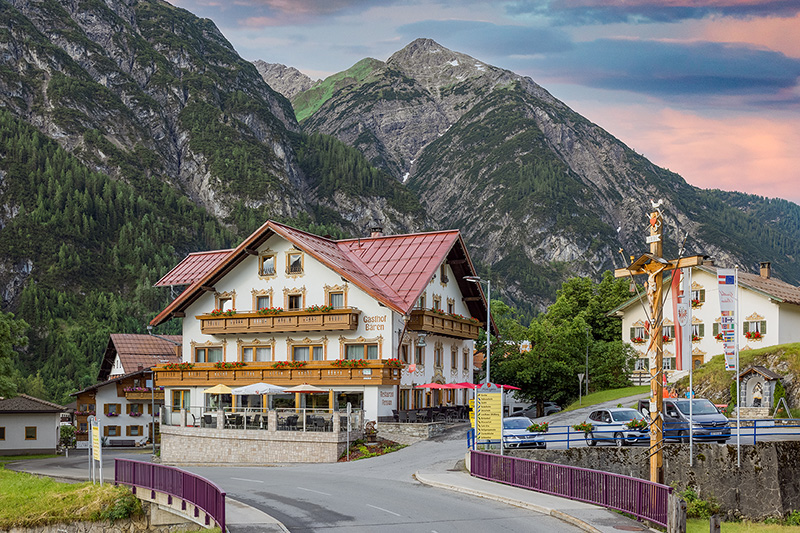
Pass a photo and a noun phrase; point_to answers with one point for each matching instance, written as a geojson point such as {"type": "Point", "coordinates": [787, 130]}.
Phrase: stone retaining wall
{"type": "Point", "coordinates": [193, 445]}
{"type": "Point", "coordinates": [767, 483]}
{"type": "Point", "coordinates": [409, 433]}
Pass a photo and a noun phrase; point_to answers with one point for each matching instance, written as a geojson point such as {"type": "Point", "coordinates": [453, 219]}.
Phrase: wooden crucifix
{"type": "Point", "coordinates": [654, 266]}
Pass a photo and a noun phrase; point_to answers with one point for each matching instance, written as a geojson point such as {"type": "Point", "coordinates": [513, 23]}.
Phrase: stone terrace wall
{"type": "Point", "coordinates": [767, 484]}
{"type": "Point", "coordinates": [409, 433]}
{"type": "Point", "coordinates": [192, 445]}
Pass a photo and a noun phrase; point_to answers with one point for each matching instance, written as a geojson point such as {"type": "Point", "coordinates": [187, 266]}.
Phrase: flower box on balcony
{"type": "Point", "coordinates": [269, 320]}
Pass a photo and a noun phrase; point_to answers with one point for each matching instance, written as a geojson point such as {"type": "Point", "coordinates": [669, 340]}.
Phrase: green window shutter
{"type": "Point", "coordinates": [632, 333]}
{"type": "Point", "coordinates": [715, 328]}
{"type": "Point", "coordinates": [702, 330]}
{"type": "Point", "coordinates": [763, 327]}
{"type": "Point", "coordinates": [745, 327]}
{"type": "Point", "coordinates": [702, 295]}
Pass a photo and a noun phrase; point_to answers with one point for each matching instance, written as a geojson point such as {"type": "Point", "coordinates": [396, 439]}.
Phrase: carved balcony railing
{"type": "Point", "coordinates": [140, 395]}
{"type": "Point", "coordinates": [319, 373]}
{"type": "Point", "coordinates": [430, 321]}
{"type": "Point", "coordinates": [286, 321]}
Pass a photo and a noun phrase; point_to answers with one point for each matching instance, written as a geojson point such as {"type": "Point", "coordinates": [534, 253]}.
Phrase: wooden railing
{"type": "Point", "coordinates": [432, 322]}
{"type": "Point", "coordinates": [253, 322]}
{"type": "Point", "coordinates": [314, 372]}
{"type": "Point", "coordinates": [139, 395]}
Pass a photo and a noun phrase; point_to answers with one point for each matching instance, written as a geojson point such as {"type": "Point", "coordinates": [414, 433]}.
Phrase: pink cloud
{"type": "Point", "coordinates": [745, 153]}
{"type": "Point", "coordinates": [780, 34]}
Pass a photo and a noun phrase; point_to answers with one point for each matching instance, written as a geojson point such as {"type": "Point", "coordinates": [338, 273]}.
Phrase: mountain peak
{"type": "Point", "coordinates": [435, 66]}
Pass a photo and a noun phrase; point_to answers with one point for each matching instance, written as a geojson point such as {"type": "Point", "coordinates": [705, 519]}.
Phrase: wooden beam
{"type": "Point", "coordinates": [178, 314]}
{"type": "Point", "coordinates": [250, 251]}
{"type": "Point", "coordinates": [646, 268]}
{"type": "Point", "coordinates": [471, 299]}
{"type": "Point", "coordinates": [207, 288]}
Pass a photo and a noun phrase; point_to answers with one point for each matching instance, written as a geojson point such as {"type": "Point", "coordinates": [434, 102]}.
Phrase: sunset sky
{"type": "Point", "coordinates": [708, 89]}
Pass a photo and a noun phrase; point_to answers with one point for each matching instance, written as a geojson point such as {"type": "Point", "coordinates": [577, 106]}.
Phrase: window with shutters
{"type": "Point", "coordinates": [698, 332]}
{"type": "Point", "coordinates": [639, 334]}
{"type": "Point", "coordinates": [754, 329]}
{"type": "Point", "coordinates": [643, 363]}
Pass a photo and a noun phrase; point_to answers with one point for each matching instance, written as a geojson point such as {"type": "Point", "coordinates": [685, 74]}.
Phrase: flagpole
{"type": "Point", "coordinates": [738, 394]}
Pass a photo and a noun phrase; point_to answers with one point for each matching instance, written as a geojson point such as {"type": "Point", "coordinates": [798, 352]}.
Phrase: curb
{"type": "Point", "coordinates": [560, 515]}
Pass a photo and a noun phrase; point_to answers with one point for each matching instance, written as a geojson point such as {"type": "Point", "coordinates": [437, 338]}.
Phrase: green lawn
{"type": "Point", "coordinates": [699, 525]}
{"type": "Point", "coordinates": [607, 396]}
{"type": "Point", "coordinates": [30, 501]}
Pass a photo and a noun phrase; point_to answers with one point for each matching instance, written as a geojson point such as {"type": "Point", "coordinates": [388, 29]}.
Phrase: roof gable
{"type": "Point", "coordinates": [193, 267]}
{"type": "Point", "coordinates": [392, 269]}
{"type": "Point", "coordinates": [138, 350]}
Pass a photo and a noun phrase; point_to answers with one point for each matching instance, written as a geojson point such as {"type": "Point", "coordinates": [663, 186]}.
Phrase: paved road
{"type": "Point", "coordinates": [375, 493]}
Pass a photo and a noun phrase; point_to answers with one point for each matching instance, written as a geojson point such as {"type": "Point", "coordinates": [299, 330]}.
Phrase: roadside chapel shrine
{"type": "Point", "coordinates": [365, 320]}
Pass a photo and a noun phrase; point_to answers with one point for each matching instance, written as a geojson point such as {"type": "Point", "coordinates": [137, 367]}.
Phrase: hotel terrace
{"type": "Point", "coordinates": [363, 320]}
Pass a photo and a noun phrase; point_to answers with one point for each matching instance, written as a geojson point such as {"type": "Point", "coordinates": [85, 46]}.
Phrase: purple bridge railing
{"type": "Point", "coordinates": [176, 483]}
{"type": "Point", "coordinates": [641, 498]}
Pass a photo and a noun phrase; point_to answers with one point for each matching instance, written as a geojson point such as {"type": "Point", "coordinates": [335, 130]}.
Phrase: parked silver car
{"type": "Point", "coordinates": [516, 434]}
{"type": "Point", "coordinates": [611, 426]}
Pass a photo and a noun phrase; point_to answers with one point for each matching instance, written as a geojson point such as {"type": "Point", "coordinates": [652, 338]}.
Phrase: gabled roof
{"type": "Point", "coordinates": [772, 288]}
{"type": "Point", "coordinates": [137, 350]}
{"type": "Point", "coordinates": [28, 404]}
{"type": "Point", "coordinates": [144, 372]}
{"type": "Point", "coordinates": [768, 374]}
{"type": "Point", "coordinates": [395, 269]}
{"type": "Point", "coordinates": [194, 267]}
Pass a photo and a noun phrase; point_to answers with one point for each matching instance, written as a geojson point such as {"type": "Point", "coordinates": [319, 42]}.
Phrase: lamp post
{"type": "Point", "coordinates": [478, 280]}
{"type": "Point", "coordinates": [587, 361]}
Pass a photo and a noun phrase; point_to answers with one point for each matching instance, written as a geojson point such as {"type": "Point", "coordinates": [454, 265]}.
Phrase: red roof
{"type": "Point", "coordinates": [137, 350]}
{"type": "Point", "coordinates": [393, 269]}
{"type": "Point", "coordinates": [194, 267]}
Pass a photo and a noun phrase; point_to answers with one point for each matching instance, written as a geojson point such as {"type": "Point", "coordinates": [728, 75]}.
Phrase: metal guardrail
{"type": "Point", "coordinates": [641, 498]}
{"type": "Point", "coordinates": [200, 492]}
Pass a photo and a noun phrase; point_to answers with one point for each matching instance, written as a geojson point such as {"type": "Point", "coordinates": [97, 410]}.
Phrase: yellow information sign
{"type": "Point", "coordinates": [489, 416]}
{"type": "Point", "coordinates": [96, 442]}
{"type": "Point", "coordinates": [472, 412]}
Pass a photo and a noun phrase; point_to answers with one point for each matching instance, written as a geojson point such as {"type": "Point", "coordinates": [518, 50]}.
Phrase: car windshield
{"type": "Point", "coordinates": [699, 407]}
{"type": "Point", "coordinates": [516, 423]}
{"type": "Point", "coordinates": [626, 415]}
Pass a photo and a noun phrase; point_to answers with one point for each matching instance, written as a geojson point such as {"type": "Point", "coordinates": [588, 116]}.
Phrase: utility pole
{"type": "Point", "coordinates": [653, 265]}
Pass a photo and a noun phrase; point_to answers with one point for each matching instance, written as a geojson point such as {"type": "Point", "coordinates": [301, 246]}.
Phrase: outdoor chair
{"type": "Point", "coordinates": [318, 423]}
{"type": "Point", "coordinates": [291, 422]}
{"type": "Point", "coordinates": [210, 421]}
{"type": "Point", "coordinates": [395, 415]}
{"type": "Point", "coordinates": [255, 422]}
{"type": "Point", "coordinates": [403, 418]}
{"type": "Point", "coordinates": [412, 416]}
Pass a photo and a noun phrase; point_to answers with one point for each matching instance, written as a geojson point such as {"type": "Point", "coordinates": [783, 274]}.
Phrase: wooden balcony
{"type": "Point", "coordinates": [319, 373]}
{"type": "Point", "coordinates": [287, 321]}
{"type": "Point", "coordinates": [140, 395]}
{"type": "Point", "coordinates": [450, 326]}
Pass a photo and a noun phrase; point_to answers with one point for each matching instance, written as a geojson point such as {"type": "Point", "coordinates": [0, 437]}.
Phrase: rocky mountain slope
{"type": "Point", "coordinates": [286, 80]}
{"type": "Point", "coordinates": [539, 191]}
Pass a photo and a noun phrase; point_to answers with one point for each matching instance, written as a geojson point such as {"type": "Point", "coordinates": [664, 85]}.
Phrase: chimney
{"type": "Point", "coordinates": [376, 231]}
{"type": "Point", "coordinates": [766, 269]}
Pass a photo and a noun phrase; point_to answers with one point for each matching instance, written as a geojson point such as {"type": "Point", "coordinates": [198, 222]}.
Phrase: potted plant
{"type": "Point", "coordinates": [270, 310]}
{"type": "Point", "coordinates": [349, 363]}
{"type": "Point", "coordinates": [584, 427]}
{"type": "Point", "coordinates": [637, 424]}
{"type": "Point", "coordinates": [539, 428]}
{"type": "Point", "coordinates": [222, 365]}
{"type": "Point", "coordinates": [289, 364]}
{"type": "Point", "coordinates": [319, 309]}
{"type": "Point", "coordinates": [637, 340]}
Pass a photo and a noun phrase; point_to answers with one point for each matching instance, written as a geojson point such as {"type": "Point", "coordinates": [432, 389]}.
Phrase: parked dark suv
{"type": "Point", "coordinates": [707, 422]}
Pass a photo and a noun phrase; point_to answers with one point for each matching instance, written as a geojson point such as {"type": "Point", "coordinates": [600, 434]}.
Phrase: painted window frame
{"type": "Point", "coordinates": [184, 396]}
{"type": "Point", "coordinates": [31, 430]}
{"type": "Point", "coordinates": [292, 270]}
{"type": "Point", "coordinates": [262, 259]}
{"type": "Point", "coordinates": [205, 349]}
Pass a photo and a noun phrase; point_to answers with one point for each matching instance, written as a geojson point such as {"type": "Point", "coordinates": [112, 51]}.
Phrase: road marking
{"type": "Point", "coordinates": [382, 509]}
{"type": "Point", "coordinates": [244, 479]}
{"type": "Point", "coordinates": [312, 490]}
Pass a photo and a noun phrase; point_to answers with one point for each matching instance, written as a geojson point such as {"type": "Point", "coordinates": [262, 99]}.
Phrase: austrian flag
{"type": "Point", "coordinates": [726, 280]}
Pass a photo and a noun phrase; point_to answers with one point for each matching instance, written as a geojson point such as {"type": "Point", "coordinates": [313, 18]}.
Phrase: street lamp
{"type": "Point", "coordinates": [478, 280]}
{"type": "Point", "coordinates": [587, 361]}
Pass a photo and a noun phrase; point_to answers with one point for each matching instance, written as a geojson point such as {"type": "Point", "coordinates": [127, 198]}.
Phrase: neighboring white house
{"type": "Point", "coordinates": [768, 314]}
{"type": "Point", "coordinates": [29, 425]}
{"type": "Point", "coordinates": [285, 297]}
{"type": "Point", "coordinates": [123, 400]}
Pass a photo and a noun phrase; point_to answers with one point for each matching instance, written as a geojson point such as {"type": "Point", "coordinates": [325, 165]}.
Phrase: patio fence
{"type": "Point", "coordinates": [641, 498]}
{"type": "Point", "coordinates": [174, 482]}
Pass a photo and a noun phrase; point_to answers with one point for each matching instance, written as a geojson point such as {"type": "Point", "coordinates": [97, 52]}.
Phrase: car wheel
{"type": "Point", "coordinates": [590, 439]}
{"type": "Point", "coordinates": [619, 440]}
{"type": "Point", "coordinates": [683, 436]}
{"type": "Point", "coordinates": [723, 441]}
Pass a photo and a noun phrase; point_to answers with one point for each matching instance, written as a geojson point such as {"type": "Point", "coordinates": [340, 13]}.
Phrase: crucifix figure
{"type": "Point", "coordinates": [653, 265]}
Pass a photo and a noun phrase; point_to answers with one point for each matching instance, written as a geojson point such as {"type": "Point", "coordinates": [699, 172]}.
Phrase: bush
{"type": "Point", "coordinates": [67, 437]}
{"type": "Point", "coordinates": [697, 507]}
{"type": "Point", "coordinates": [125, 506]}
{"type": "Point", "coordinates": [777, 396]}
{"type": "Point", "coordinates": [793, 518]}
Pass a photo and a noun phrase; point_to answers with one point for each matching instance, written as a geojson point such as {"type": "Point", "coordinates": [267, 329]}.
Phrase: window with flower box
{"type": "Point", "coordinates": [639, 334]}
{"type": "Point", "coordinates": [698, 332]}
{"type": "Point", "coordinates": [30, 432]}
{"type": "Point", "coordinates": [83, 426]}
{"type": "Point", "coordinates": [698, 296]}
{"type": "Point", "coordinates": [294, 302]}
{"type": "Point", "coordinates": [225, 301]}
{"type": "Point", "coordinates": [208, 354]}
{"type": "Point", "coordinates": [256, 353]}
{"type": "Point", "coordinates": [754, 329]}
{"type": "Point", "coordinates": [361, 351]}
{"type": "Point", "coordinates": [437, 302]}
{"type": "Point", "coordinates": [336, 300]}
{"type": "Point", "coordinates": [263, 302]}
{"type": "Point", "coordinates": [421, 302]}
{"type": "Point", "coordinates": [668, 332]}
{"type": "Point", "coordinates": [135, 409]}
{"type": "Point", "coordinates": [113, 409]}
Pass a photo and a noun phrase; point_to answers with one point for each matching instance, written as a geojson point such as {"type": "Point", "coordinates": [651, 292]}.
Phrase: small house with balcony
{"type": "Point", "coordinates": [124, 400]}
{"type": "Point", "coordinates": [768, 314]}
{"type": "Point", "coordinates": [364, 320]}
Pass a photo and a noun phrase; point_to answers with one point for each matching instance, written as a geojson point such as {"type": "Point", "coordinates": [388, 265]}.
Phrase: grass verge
{"type": "Point", "coordinates": [607, 396]}
{"type": "Point", "coordinates": [700, 525]}
{"type": "Point", "coordinates": [30, 501]}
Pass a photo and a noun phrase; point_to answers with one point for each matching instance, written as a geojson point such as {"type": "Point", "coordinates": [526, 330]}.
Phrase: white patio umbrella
{"type": "Point", "coordinates": [305, 387]}
{"type": "Point", "coordinates": [258, 388]}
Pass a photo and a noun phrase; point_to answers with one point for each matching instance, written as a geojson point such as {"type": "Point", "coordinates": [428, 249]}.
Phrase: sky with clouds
{"type": "Point", "coordinates": [709, 89]}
